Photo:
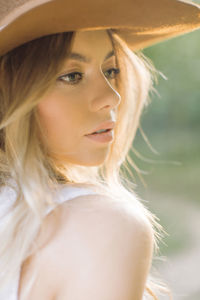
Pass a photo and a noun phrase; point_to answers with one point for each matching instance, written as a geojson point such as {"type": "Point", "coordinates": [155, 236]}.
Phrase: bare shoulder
{"type": "Point", "coordinates": [103, 212]}
{"type": "Point", "coordinates": [101, 247]}
{"type": "Point", "coordinates": [100, 220]}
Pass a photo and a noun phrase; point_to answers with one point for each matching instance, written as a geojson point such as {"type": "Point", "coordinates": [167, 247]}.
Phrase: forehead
{"type": "Point", "coordinates": [96, 42]}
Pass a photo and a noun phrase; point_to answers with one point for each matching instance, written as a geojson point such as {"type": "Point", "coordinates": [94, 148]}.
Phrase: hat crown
{"type": "Point", "coordinates": [140, 23]}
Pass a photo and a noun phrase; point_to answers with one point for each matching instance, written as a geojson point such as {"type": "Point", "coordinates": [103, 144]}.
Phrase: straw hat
{"type": "Point", "coordinates": [140, 23]}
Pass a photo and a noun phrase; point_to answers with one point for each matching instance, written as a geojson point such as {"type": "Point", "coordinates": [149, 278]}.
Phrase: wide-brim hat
{"type": "Point", "coordinates": [140, 23]}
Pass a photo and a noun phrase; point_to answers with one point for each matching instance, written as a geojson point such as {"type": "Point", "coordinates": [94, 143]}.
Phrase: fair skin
{"type": "Point", "coordinates": [69, 111]}
{"type": "Point", "coordinates": [106, 254]}
{"type": "Point", "coordinates": [103, 255]}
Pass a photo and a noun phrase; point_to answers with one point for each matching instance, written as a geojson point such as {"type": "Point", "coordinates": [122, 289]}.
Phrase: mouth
{"type": "Point", "coordinates": [100, 132]}
{"type": "Point", "coordinates": [102, 128]}
{"type": "Point", "coordinates": [104, 136]}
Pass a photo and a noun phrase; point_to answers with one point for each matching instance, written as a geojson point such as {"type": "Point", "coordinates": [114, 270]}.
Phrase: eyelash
{"type": "Point", "coordinates": [116, 71]}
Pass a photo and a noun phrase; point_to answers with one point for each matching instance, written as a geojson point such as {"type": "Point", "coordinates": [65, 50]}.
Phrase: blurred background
{"type": "Point", "coordinates": [170, 185]}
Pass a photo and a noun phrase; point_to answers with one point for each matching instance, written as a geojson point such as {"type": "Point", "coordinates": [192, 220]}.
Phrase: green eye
{"type": "Point", "coordinates": [116, 71]}
{"type": "Point", "coordinates": [67, 78]}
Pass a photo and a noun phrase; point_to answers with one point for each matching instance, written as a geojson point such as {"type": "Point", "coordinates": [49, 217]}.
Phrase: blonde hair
{"type": "Point", "coordinates": [25, 75]}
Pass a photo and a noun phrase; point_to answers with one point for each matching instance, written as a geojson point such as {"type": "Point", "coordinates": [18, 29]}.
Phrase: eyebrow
{"type": "Point", "coordinates": [80, 57]}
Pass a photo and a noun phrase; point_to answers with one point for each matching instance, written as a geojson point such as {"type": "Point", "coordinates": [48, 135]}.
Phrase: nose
{"type": "Point", "coordinates": [104, 96]}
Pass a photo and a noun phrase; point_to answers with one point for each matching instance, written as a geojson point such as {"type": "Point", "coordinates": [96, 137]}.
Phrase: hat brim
{"type": "Point", "coordinates": [140, 23]}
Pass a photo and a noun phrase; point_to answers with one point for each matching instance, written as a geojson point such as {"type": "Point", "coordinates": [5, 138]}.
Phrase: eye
{"type": "Point", "coordinates": [67, 77]}
{"type": "Point", "coordinates": [116, 71]}
{"type": "Point", "coordinates": [75, 77]}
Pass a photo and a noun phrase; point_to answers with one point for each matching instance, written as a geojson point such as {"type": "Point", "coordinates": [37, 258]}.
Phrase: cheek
{"type": "Point", "coordinates": [60, 118]}
{"type": "Point", "coordinates": [53, 117]}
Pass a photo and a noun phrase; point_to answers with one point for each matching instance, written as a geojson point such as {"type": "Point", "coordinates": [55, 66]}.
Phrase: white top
{"type": "Point", "coordinates": [66, 193]}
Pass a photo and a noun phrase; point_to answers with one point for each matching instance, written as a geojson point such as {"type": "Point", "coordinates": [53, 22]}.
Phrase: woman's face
{"type": "Point", "coordinates": [79, 102]}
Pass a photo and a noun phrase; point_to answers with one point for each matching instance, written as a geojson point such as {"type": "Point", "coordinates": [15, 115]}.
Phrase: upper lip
{"type": "Point", "coordinates": [105, 125]}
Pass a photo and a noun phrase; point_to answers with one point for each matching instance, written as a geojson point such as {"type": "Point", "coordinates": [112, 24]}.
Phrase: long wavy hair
{"type": "Point", "coordinates": [25, 75]}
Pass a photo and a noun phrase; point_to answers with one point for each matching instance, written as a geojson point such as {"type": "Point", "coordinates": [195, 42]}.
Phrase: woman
{"type": "Point", "coordinates": [72, 226]}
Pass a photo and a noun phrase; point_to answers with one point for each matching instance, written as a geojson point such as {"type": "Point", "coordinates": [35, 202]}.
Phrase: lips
{"type": "Point", "coordinates": [103, 132]}
{"type": "Point", "coordinates": [106, 125]}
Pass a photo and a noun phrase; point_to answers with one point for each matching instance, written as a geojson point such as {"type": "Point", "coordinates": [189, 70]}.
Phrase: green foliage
{"type": "Point", "coordinates": [171, 123]}
{"type": "Point", "coordinates": [179, 103]}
